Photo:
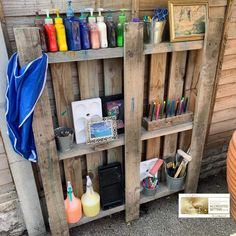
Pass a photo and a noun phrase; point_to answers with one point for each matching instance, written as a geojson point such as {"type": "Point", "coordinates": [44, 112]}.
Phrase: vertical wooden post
{"type": "Point", "coordinates": [156, 93]}
{"type": "Point", "coordinates": [21, 169]}
{"type": "Point", "coordinates": [133, 94]}
{"type": "Point", "coordinates": [203, 103]}
{"type": "Point", "coordinates": [28, 46]}
{"type": "Point", "coordinates": [89, 88]}
{"type": "Point", "coordinates": [113, 85]}
{"type": "Point", "coordinates": [63, 90]}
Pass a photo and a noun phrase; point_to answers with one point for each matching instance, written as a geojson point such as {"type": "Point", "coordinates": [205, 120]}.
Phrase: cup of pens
{"type": "Point", "coordinates": [150, 185]}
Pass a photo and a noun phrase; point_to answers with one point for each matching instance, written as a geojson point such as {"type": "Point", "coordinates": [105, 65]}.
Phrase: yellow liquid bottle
{"type": "Point", "coordinates": [90, 200]}
{"type": "Point", "coordinates": [61, 33]}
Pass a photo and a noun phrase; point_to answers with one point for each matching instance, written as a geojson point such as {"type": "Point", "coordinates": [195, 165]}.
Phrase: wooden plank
{"type": "Point", "coordinates": [172, 47]}
{"type": "Point", "coordinates": [229, 62]}
{"type": "Point", "coordinates": [223, 126]}
{"type": "Point", "coordinates": [185, 137]}
{"type": "Point", "coordinates": [223, 115]}
{"type": "Point", "coordinates": [227, 77]}
{"type": "Point", "coordinates": [89, 88]}
{"type": "Point", "coordinates": [44, 137]}
{"type": "Point", "coordinates": [156, 92]}
{"type": "Point", "coordinates": [230, 47]}
{"type": "Point", "coordinates": [134, 75]}
{"type": "Point", "coordinates": [232, 32]}
{"type": "Point", "coordinates": [3, 163]}
{"type": "Point", "coordinates": [6, 197]}
{"type": "Point", "coordinates": [226, 90]}
{"type": "Point", "coordinates": [113, 73]}
{"type": "Point", "coordinates": [63, 90]}
{"type": "Point", "coordinates": [135, 8]}
{"type": "Point", "coordinates": [5, 177]}
{"type": "Point", "coordinates": [216, 137]}
{"type": "Point", "coordinates": [175, 91]}
{"type": "Point", "coordinates": [6, 188]}
{"type": "Point", "coordinates": [202, 110]}
{"type": "Point", "coordinates": [224, 103]}
{"type": "Point", "coordinates": [85, 55]}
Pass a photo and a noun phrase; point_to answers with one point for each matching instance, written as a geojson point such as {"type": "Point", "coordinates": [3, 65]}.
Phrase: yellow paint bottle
{"type": "Point", "coordinates": [90, 200]}
{"type": "Point", "coordinates": [61, 33]}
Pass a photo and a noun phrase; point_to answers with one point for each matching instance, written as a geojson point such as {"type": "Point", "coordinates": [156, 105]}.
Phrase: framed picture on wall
{"type": "Point", "coordinates": [113, 106]}
{"type": "Point", "coordinates": [188, 20]}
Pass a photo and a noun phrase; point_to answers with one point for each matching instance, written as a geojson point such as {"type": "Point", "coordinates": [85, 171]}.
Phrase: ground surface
{"type": "Point", "coordinates": [160, 217]}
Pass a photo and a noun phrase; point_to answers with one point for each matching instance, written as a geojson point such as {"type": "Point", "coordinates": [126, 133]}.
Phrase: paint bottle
{"type": "Point", "coordinates": [102, 28]}
{"type": "Point", "coordinates": [111, 31]}
{"type": "Point", "coordinates": [72, 26]}
{"type": "Point", "coordinates": [147, 29]}
{"type": "Point", "coordinates": [120, 28]}
{"type": "Point", "coordinates": [73, 206]}
{"type": "Point", "coordinates": [50, 33]}
{"type": "Point", "coordinates": [38, 22]}
{"type": "Point", "coordinates": [90, 200]}
{"type": "Point", "coordinates": [84, 32]}
{"type": "Point", "coordinates": [93, 30]}
{"type": "Point", "coordinates": [61, 33]}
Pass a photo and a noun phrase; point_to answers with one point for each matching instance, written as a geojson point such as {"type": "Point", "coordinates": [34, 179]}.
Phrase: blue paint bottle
{"type": "Point", "coordinates": [84, 32]}
{"type": "Point", "coordinates": [72, 26]}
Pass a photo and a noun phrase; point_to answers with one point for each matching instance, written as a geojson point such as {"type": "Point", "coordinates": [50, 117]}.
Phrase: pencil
{"type": "Point", "coordinates": [177, 107]}
{"type": "Point", "coordinates": [157, 111]}
{"type": "Point", "coordinates": [186, 105]}
{"type": "Point", "coordinates": [172, 108]}
{"type": "Point", "coordinates": [163, 109]}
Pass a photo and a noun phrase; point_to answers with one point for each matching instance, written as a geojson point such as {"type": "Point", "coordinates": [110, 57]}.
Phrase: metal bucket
{"type": "Point", "coordinates": [64, 138]}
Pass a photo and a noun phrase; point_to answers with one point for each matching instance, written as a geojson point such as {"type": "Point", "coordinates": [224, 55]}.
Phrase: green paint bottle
{"type": "Point", "coordinates": [120, 28]}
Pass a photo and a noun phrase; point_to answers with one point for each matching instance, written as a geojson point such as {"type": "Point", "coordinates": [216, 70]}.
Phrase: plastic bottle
{"type": "Point", "coordinates": [38, 22]}
{"type": "Point", "coordinates": [93, 30]}
{"type": "Point", "coordinates": [102, 28]}
{"type": "Point", "coordinates": [111, 31]}
{"type": "Point", "coordinates": [120, 28]}
{"type": "Point", "coordinates": [61, 33]}
{"type": "Point", "coordinates": [73, 206]}
{"type": "Point", "coordinates": [50, 33]}
{"type": "Point", "coordinates": [90, 200]}
{"type": "Point", "coordinates": [84, 32]}
{"type": "Point", "coordinates": [72, 29]}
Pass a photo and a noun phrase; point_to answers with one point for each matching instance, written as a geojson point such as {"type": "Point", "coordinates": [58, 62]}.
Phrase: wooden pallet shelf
{"type": "Point", "coordinates": [163, 191]}
{"type": "Point", "coordinates": [108, 53]}
{"type": "Point", "coordinates": [83, 149]}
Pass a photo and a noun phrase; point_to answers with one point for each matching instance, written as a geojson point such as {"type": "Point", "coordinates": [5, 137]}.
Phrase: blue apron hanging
{"type": "Point", "coordinates": [25, 86]}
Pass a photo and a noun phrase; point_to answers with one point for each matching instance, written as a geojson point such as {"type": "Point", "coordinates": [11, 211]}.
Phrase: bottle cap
{"type": "Point", "coordinates": [89, 181]}
{"type": "Point", "coordinates": [91, 18]}
{"type": "Point", "coordinates": [38, 20]}
{"type": "Point", "coordinates": [136, 19]}
{"type": "Point", "coordinates": [48, 20]}
{"type": "Point", "coordinates": [69, 10]}
{"type": "Point", "coordinates": [100, 18]}
{"type": "Point", "coordinates": [122, 16]}
{"type": "Point", "coordinates": [58, 19]}
{"type": "Point", "coordinates": [109, 16]}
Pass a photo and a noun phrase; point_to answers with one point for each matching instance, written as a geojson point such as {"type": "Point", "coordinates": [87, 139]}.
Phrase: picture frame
{"type": "Point", "coordinates": [188, 21]}
{"type": "Point", "coordinates": [102, 131]}
{"type": "Point", "coordinates": [114, 106]}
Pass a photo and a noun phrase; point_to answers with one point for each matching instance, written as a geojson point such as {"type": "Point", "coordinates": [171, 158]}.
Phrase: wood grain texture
{"type": "Point", "coordinates": [134, 75]}
{"type": "Point", "coordinates": [223, 115]}
{"type": "Point", "coordinates": [44, 138]}
{"type": "Point", "coordinates": [175, 91]}
{"type": "Point", "coordinates": [156, 93]}
{"type": "Point", "coordinates": [113, 74]}
{"type": "Point", "coordinates": [227, 77]}
{"type": "Point", "coordinates": [223, 126]}
{"type": "Point", "coordinates": [224, 103]}
{"type": "Point", "coordinates": [226, 90]}
{"type": "Point", "coordinates": [63, 90]}
{"type": "Point", "coordinates": [202, 110]}
{"type": "Point", "coordinates": [230, 46]}
{"type": "Point", "coordinates": [89, 88]}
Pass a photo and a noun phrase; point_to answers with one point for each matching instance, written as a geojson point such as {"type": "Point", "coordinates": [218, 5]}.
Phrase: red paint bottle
{"type": "Point", "coordinates": [50, 33]}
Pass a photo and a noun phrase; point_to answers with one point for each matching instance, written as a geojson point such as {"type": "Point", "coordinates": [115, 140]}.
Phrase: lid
{"type": "Point", "coordinates": [48, 20]}
{"type": "Point", "coordinates": [109, 17]}
{"type": "Point", "coordinates": [38, 20]}
{"type": "Point", "coordinates": [136, 19]}
{"type": "Point", "coordinates": [82, 16]}
{"type": "Point", "coordinates": [69, 190]}
{"type": "Point", "coordinates": [100, 18]}
{"type": "Point", "coordinates": [91, 18]}
{"type": "Point", "coordinates": [69, 10]}
{"type": "Point", "coordinates": [58, 19]}
{"type": "Point", "coordinates": [147, 19]}
{"type": "Point", "coordinates": [122, 16]}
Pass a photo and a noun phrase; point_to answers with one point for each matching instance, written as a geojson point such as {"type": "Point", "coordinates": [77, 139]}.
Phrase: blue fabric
{"type": "Point", "coordinates": [25, 86]}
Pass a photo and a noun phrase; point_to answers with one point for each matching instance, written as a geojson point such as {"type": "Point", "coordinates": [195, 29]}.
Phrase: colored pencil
{"type": "Point", "coordinates": [172, 108]}
{"type": "Point", "coordinates": [177, 107]}
{"type": "Point", "coordinates": [186, 105]}
{"type": "Point", "coordinates": [158, 111]}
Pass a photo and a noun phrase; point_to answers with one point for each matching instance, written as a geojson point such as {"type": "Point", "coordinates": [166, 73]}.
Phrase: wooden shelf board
{"type": "Point", "coordinates": [82, 149]}
{"type": "Point", "coordinates": [106, 53]}
{"type": "Point", "coordinates": [163, 191]}
{"type": "Point", "coordinates": [84, 55]}
{"type": "Point", "coordinates": [173, 47]}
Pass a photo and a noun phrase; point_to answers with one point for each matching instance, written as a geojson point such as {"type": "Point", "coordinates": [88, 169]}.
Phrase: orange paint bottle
{"type": "Point", "coordinates": [73, 206]}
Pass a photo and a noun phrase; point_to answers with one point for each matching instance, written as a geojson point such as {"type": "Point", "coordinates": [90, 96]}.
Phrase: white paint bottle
{"type": "Point", "coordinates": [102, 28]}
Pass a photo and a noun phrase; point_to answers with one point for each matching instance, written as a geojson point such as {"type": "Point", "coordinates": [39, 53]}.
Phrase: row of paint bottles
{"type": "Point", "coordinates": [90, 202]}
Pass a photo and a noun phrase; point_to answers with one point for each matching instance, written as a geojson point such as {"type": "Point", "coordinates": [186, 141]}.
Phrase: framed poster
{"type": "Point", "coordinates": [188, 20]}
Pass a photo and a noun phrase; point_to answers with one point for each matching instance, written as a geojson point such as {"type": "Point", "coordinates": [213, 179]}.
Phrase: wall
{"type": "Point", "coordinates": [11, 221]}
{"type": "Point", "coordinates": [223, 121]}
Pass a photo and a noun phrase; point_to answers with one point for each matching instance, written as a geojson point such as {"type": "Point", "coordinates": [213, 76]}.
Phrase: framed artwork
{"type": "Point", "coordinates": [113, 106]}
{"type": "Point", "coordinates": [102, 131]}
{"type": "Point", "coordinates": [187, 20]}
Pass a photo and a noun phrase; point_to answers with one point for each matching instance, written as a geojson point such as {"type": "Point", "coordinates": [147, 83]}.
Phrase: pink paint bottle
{"type": "Point", "coordinates": [93, 30]}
